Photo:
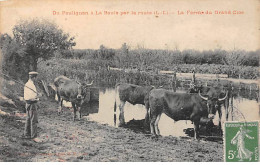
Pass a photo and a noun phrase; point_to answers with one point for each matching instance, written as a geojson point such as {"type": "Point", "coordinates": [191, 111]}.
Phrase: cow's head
{"type": "Point", "coordinates": [213, 103]}
{"type": "Point", "coordinates": [82, 90]}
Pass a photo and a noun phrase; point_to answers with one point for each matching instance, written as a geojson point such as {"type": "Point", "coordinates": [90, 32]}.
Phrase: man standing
{"type": "Point", "coordinates": [31, 99]}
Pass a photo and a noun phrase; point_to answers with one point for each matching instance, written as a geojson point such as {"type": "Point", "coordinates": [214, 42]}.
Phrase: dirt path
{"type": "Point", "coordinates": [61, 139]}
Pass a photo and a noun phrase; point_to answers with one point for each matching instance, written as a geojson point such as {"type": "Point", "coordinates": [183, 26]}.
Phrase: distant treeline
{"type": "Point", "coordinates": [234, 63]}
{"type": "Point", "coordinates": [164, 59]}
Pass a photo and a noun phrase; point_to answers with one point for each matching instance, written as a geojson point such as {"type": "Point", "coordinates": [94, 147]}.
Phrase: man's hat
{"type": "Point", "coordinates": [33, 73]}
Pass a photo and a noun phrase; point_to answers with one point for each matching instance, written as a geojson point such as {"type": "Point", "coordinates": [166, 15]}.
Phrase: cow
{"type": "Point", "coordinates": [71, 91]}
{"type": "Point", "coordinates": [179, 106]}
{"type": "Point", "coordinates": [213, 94]}
{"type": "Point", "coordinates": [132, 94]}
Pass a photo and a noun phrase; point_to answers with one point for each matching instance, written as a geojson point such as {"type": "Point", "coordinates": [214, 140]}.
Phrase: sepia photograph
{"type": "Point", "coordinates": [129, 80]}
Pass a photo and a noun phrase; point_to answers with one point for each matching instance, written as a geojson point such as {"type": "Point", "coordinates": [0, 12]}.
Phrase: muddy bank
{"type": "Point", "coordinates": [61, 139]}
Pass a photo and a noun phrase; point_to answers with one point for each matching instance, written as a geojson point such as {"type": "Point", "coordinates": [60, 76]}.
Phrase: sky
{"type": "Point", "coordinates": [168, 24]}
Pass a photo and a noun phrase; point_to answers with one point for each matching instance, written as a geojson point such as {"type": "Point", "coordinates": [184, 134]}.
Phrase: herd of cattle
{"type": "Point", "coordinates": [198, 105]}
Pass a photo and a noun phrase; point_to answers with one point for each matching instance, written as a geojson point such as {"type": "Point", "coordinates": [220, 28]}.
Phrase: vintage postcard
{"type": "Point", "coordinates": [129, 80]}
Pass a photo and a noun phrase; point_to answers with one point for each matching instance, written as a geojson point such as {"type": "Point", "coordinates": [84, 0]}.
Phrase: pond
{"type": "Point", "coordinates": [245, 107]}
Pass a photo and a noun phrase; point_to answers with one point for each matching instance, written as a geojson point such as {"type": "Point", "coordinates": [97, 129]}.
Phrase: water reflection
{"type": "Point", "coordinates": [106, 110]}
{"type": "Point", "coordinates": [245, 107]}
{"type": "Point", "coordinates": [247, 94]}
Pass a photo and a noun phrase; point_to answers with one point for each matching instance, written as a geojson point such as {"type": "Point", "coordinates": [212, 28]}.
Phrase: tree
{"type": "Point", "coordinates": [13, 53]}
{"type": "Point", "coordinates": [105, 53]}
{"type": "Point", "coordinates": [123, 58]}
{"type": "Point", "coordinates": [125, 49]}
{"type": "Point", "coordinates": [41, 38]}
{"type": "Point", "coordinates": [235, 57]}
{"type": "Point", "coordinates": [4, 40]}
{"type": "Point", "coordinates": [252, 58]}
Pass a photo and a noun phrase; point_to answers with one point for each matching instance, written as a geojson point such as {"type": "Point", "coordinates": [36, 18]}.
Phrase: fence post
{"type": "Point", "coordinates": [217, 77]}
{"type": "Point", "coordinates": [258, 94]}
{"type": "Point", "coordinates": [193, 77]}
{"type": "Point", "coordinates": [232, 108]}
{"type": "Point", "coordinates": [175, 81]}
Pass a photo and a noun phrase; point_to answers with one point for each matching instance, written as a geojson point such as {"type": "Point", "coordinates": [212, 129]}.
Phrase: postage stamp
{"type": "Point", "coordinates": [241, 141]}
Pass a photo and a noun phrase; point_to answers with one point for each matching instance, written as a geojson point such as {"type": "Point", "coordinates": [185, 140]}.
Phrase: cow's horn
{"type": "Point", "coordinates": [223, 97]}
{"type": "Point", "coordinates": [90, 83]}
{"type": "Point", "coordinates": [204, 98]}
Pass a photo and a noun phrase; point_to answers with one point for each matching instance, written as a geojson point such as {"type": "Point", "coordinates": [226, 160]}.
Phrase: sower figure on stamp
{"type": "Point", "coordinates": [31, 99]}
{"type": "Point", "coordinates": [239, 140]}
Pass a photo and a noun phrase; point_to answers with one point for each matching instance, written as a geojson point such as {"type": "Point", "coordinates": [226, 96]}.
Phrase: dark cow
{"type": "Point", "coordinates": [72, 91]}
{"type": "Point", "coordinates": [179, 106]}
{"type": "Point", "coordinates": [133, 94]}
{"type": "Point", "coordinates": [216, 95]}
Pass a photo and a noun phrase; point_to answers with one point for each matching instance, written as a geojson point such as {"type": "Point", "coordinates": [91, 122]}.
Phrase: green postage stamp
{"type": "Point", "coordinates": [241, 141]}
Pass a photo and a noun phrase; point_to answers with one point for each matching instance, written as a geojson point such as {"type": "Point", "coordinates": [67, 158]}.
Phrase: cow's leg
{"type": "Point", "coordinates": [156, 124]}
{"type": "Point", "coordinates": [75, 111]}
{"type": "Point", "coordinates": [121, 115]}
{"type": "Point", "coordinates": [219, 116]}
{"type": "Point", "coordinates": [60, 106]}
{"type": "Point", "coordinates": [58, 95]}
{"type": "Point", "coordinates": [146, 124]}
{"type": "Point", "coordinates": [152, 123]}
{"type": "Point", "coordinates": [226, 105]}
{"type": "Point", "coordinates": [59, 100]}
{"type": "Point", "coordinates": [219, 122]}
{"type": "Point", "coordinates": [59, 109]}
{"type": "Point", "coordinates": [196, 128]}
{"type": "Point", "coordinates": [79, 109]}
